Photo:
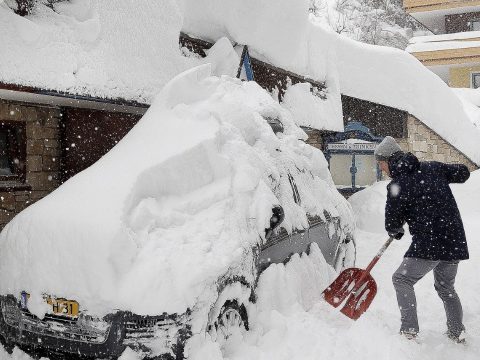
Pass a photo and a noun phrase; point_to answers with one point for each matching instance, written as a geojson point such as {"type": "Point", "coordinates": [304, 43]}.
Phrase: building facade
{"type": "Point", "coordinates": [30, 153]}
{"type": "Point", "coordinates": [452, 51]}
{"type": "Point", "coordinates": [45, 140]}
{"type": "Point", "coordinates": [48, 137]}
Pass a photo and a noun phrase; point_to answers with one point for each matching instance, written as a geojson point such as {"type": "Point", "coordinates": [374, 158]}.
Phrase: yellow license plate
{"type": "Point", "coordinates": [63, 307]}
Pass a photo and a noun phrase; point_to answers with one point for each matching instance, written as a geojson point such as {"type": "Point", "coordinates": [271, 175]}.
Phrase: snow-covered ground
{"type": "Point", "coordinates": [290, 331]}
{"type": "Point", "coordinates": [292, 323]}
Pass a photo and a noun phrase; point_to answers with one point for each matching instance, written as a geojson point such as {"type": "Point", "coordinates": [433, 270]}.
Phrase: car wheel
{"type": "Point", "coordinates": [232, 321]}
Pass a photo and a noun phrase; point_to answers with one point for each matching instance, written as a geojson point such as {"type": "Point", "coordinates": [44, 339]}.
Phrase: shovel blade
{"type": "Point", "coordinates": [342, 287]}
{"type": "Point", "coordinates": [359, 300]}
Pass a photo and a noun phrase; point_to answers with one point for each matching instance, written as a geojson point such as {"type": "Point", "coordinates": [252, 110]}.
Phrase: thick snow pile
{"type": "Point", "coordinates": [121, 49]}
{"type": "Point", "coordinates": [370, 207]}
{"type": "Point", "coordinates": [285, 326]}
{"type": "Point", "coordinates": [107, 48]}
{"type": "Point", "coordinates": [81, 47]}
{"type": "Point", "coordinates": [190, 187]}
{"type": "Point", "coordinates": [313, 111]}
{"type": "Point", "coordinates": [444, 41]}
{"type": "Point", "coordinates": [291, 322]}
{"type": "Point", "coordinates": [383, 75]}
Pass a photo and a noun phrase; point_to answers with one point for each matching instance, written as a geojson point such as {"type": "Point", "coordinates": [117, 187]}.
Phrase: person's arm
{"type": "Point", "coordinates": [394, 211]}
{"type": "Point", "coordinates": [455, 173]}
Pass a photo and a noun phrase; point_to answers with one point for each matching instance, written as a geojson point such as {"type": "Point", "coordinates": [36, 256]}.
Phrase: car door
{"type": "Point", "coordinates": [324, 233]}
{"type": "Point", "coordinates": [339, 251]}
{"type": "Point", "coordinates": [280, 246]}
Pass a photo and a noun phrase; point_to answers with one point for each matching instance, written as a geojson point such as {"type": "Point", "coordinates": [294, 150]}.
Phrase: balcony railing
{"type": "Point", "coordinates": [446, 49]}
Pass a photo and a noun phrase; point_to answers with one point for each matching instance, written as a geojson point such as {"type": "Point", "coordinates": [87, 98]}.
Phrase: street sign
{"type": "Point", "coordinates": [352, 147]}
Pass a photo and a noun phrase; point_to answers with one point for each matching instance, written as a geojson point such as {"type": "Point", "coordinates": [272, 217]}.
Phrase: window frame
{"type": "Point", "coordinates": [470, 23]}
{"type": "Point", "coordinates": [472, 82]}
{"type": "Point", "coordinates": [19, 150]}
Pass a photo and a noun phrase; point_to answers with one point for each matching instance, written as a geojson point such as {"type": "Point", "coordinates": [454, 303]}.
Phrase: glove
{"type": "Point", "coordinates": [397, 233]}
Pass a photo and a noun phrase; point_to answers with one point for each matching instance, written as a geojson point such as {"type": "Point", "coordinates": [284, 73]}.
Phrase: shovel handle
{"type": "Point", "coordinates": [379, 255]}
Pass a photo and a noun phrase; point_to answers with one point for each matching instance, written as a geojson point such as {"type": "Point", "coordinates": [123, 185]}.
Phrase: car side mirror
{"type": "Point", "coordinates": [277, 218]}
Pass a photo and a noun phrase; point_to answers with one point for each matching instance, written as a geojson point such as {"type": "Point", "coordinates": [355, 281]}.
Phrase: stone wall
{"type": "Point", "coordinates": [315, 137]}
{"type": "Point", "coordinates": [43, 151]}
{"type": "Point", "coordinates": [428, 145]}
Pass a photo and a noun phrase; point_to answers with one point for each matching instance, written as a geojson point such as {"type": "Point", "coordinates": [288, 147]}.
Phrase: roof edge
{"type": "Point", "coordinates": [72, 96]}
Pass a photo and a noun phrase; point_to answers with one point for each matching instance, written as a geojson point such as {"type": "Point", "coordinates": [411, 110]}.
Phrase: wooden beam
{"type": "Point", "coordinates": [413, 6]}
{"type": "Point", "coordinates": [449, 56]}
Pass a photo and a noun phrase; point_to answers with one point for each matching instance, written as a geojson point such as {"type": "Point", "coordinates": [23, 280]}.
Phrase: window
{"type": "Point", "coordinates": [12, 152]}
{"type": "Point", "coordinates": [475, 81]}
{"type": "Point", "coordinates": [474, 25]}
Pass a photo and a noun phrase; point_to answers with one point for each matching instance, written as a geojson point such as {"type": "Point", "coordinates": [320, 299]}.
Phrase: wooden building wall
{"type": "Point", "coordinates": [90, 134]}
{"type": "Point", "coordinates": [460, 22]}
{"type": "Point", "coordinates": [380, 119]}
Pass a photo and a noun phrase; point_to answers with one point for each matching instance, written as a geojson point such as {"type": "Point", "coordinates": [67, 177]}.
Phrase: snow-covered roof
{"type": "Point", "coordinates": [441, 45]}
{"type": "Point", "coordinates": [104, 49]}
{"type": "Point", "coordinates": [121, 50]}
{"type": "Point", "coordinates": [281, 32]}
{"type": "Point", "coordinates": [445, 37]}
{"type": "Point", "coordinates": [80, 48]}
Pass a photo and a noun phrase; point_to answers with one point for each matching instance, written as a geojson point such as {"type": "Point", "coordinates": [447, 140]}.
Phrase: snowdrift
{"type": "Point", "coordinates": [177, 203]}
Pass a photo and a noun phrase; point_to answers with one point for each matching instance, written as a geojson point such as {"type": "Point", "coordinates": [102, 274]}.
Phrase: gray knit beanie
{"type": "Point", "coordinates": [386, 148]}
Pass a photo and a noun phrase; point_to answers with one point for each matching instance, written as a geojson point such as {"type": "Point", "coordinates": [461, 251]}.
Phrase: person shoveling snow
{"type": "Point", "coordinates": [419, 195]}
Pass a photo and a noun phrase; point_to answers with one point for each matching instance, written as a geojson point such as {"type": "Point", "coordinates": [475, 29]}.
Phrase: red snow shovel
{"type": "Point", "coordinates": [357, 285]}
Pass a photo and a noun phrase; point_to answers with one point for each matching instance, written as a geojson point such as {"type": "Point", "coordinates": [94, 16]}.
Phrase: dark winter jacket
{"type": "Point", "coordinates": [419, 194]}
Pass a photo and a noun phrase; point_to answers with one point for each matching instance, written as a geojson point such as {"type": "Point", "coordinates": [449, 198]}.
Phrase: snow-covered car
{"type": "Point", "coordinates": [166, 236]}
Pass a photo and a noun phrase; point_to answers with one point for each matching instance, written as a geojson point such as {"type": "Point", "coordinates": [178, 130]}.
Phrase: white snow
{"type": "Point", "coordinates": [312, 111]}
{"type": "Point", "coordinates": [286, 326]}
{"type": "Point", "coordinates": [118, 49]}
{"type": "Point", "coordinates": [135, 214]}
{"type": "Point", "coordinates": [190, 187]}
{"type": "Point", "coordinates": [441, 45]}
{"type": "Point", "coordinates": [92, 47]}
{"type": "Point", "coordinates": [470, 99]}
{"type": "Point", "coordinates": [445, 37]}
{"type": "Point", "coordinates": [291, 322]}
{"type": "Point", "coordinates": [382, 75]}
{"type": "Point", "coordinates": [108, 48]}
{"type": "Point", "coordinates": [80, 49]}
{"type": "Point", "coordinates": [471, 95]}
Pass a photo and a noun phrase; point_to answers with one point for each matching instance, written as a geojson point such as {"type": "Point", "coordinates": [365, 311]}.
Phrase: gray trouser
{"type": "Point", "coordinates": [413, 269]}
